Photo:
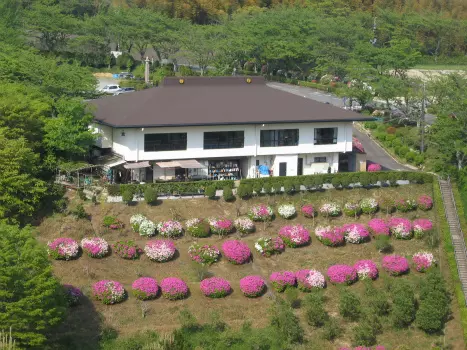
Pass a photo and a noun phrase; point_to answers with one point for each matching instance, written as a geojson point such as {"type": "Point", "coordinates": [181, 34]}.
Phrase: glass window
{"type": "Point", "coordinates": [224, 139]}
{"type": "Point", "coordinates": [164, 142]}
{"type": "Point", "coordinates": [325, 136]}
{"type": "Point", "coordinates": [279, 138]}
{"type": "Point", "coordinates": [320, 160]}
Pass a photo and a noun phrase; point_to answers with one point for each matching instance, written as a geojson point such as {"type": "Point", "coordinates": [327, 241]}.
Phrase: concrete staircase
{"type": "Point", "coordinates": [457, 236]}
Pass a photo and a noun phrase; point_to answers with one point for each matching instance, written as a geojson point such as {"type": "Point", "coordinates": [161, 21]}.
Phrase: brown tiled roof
{"type": "Point", "coordinates": [214, 101]}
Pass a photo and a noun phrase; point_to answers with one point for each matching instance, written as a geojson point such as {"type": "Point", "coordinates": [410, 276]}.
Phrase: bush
{"type": "Point", "coordinates": [150, 195]}
{"type": "Point", "coordinates": [127, 195]}
{"type": "Point", "coordinates": [227, 194]}
{"type": "Point", "coordinates": [410, 156]}
{"type": "Point", "coordinates": [268, 188]}
{"type": "Point", "coordinates": [210, 192]}
{"type": "Point", "coordinates": [331, 329]}
{"type": "Point", "coordinates": [81, 194]}
{"type": "Point", "coordinates": [377, 301]}
{"type": "Point", "coordinates": [113, 190]}
{"type": "Point", "coordinates": [197, 227]}
{"type": "Point", "coordinates": [403, 305]}
{"type": "Point", "coordinates": [419, 159]}
{"type": "Point", "coordinates": [349, 305]}
{"type": "Point", "coordinates": [370, 125]}
{"type": "Point", "coordinates": [285, 322]}
{"type": "Point", "coordinates": [244, 191]}
{"type": "Point", "coordinates": [383, 243]}
{"type": "Point", "coordinates": [258, 187]}
{"type": "Point", "coordinates": [391, 130]}
{"type": "Point", "coordinates": [364, 335]}
{"type": "Point", "coordinates": [403, 151]}
{"type": "Point", "coordinates": [315, 313]}
{"type": "Point", "coordinates": [125, 61]}
{"type": "Point", "coordinates": [79, 212]}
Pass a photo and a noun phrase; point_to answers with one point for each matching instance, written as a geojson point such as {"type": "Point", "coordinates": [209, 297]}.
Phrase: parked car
{"type": "Point", "coordinates": [124, 90]}
{"type": "Point", "coordinates": [125, 75]}
{"type": "Point", "coordinates": [110, 89]}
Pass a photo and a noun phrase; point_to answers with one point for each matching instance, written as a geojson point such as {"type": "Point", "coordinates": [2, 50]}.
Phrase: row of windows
{"type": "Point", "coordinates": [235, 139]}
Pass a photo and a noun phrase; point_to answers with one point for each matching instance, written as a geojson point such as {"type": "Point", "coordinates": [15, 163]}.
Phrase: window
{"type": "Point", "coordinates": [325, 136]}
{"type": "Point", "coordinates": [279, 138]}
{"type": "Point", "coordinates": [224, 139]}
{"type": "Point", "coordinates": [164, 142]}
{"type": "Point", "coordinates": [320, 160]}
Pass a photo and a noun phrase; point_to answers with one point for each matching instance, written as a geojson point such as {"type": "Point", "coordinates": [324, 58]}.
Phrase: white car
{"type": "Point", "coordinates": [110, 89]}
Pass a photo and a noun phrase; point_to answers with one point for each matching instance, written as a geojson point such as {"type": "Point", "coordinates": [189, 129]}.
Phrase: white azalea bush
{"type": "Point", "coordinates": [136, 220]}
{"type": "Point", "coordinates": [287, 211]}
{"type": "Point", "coordinates": [147, 228]}
{"type": "Point", "coordinates": [330, 209]}
{"type": "Point", "coordinates": [244, 225]}
{"type": "Point", "coordinates": [369, 205]}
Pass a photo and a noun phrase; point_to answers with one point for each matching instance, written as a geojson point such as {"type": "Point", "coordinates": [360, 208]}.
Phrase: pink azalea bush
{"type": "Point", "coordinates": [374, 167]}
{"type": "Point", "coordinates": [268, 246]}
{"type": "Point", "coordinates": [400, 228]}
{"type": "Point", "coordinates": [252, 286]}
{"type": "Point", "coordinates": [423, 261]}
{"type": "Point", "coordinates": [294, 236]}
{"type": "Point", "coordinates": [308, 211]}
{"type": "Point", "coordinates": [236, 252]}
{"type": "Point", "coordinates": [395, 265]}
{"type": "Point", "coordinates": [215, 287]}
{"type": "Point", "coordinates": [73, 294]}
{"type": "Point", "coordinates": [244, 225]}
{"type": "Point", "coordinates": [421, 226]}
{"type": "Point", "coordinates": [405, 205]}
{"type": "Point", "coordinates": [127, 250]}
{"type": "Point", "coordinates": [174, 288]}
{"type": "Point", "coordinates": [330, 236]}
{"type": "Point", "coordinates": [261, 212]}
{"type": "Point", "coordinates": [160, 250]}
{"type": "Point", "coordinates": [109, 292]}
{"type": "Point", "coordinates": [220, 227]}
{"type": "Point", "coordinates": [283, 279]}
{"type": "Point", "coordinates": [95, 247]}
{"type": "Point", "coordinates": [378, 227]}
{"type": "Point", "coordinates": [204, 254]}
{"type": "Point", "coordinates": [310, 279]}
{"type": "Point", "coordinates": [170, 228]}
{"type": "Point", "coordinates": [425, 202]}
{"type": "Point", "coordinates": [355, 233]}
{"type": "Point", "coordinates": [145, 288]}
{"type": "Point", "coordinates": [63, 248]}
{"type": "Point", "coordinates": [366, 269]}
{"type": "Point", "coordinates": [342, 274]}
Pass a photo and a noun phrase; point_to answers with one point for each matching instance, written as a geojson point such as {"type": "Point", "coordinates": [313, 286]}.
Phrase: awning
{"type": "Point", "coordinates": [137, 165]}
{"type": "Point", "coordinates": [111, 165]}
{"type": "Point", "coordinates": [168, 164]}
{"type": "Point", "coordinates": [186, 164]}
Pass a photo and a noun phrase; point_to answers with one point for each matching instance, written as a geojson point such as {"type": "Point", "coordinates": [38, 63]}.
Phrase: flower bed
{"type": "Point", "coordinates": [145, 288]}
{"type": "Point", "coordinates": [400, 228]}
{"type": "Point", "coordinates": [170, 229]}
{"type": "Point", "coordinates": [252, 286]}
{"type": "Point", "coordinates": [395, 265]}
{"type": "Point", "coordinates": [221, 227]}
{"type": "Point", "coordinates": [330, 209]}
{"type": "Point", "coordinates": [308, 211]}
{"type": "Point", "coordinates": [197, 227]}
{"type": "Point", "coordinates": [356, 233]}
{"type": "Point", "coordinates": [236, 252]}
{"type": "Point", "coordinates": [136, 220]}
{"type": "Point", "coordinates": [423, 261]}
{"type": "Point", "coordinates": [261, 212]}
{"type": "Point", "coordinates": [127, 250]}
{"type": "Point", "coordinates": [331, 237]}
{"type": "Point", "coordinates": [421, 226]}
{"type": "Point", "coordinates": [63, 248]}
{"type": "Point", "coordinates": [294, 236]}
{"type": "Point", "coordinates": [374, 167]}
{"type": "Point", "coordinates": [287, 211]}
{"type": "Point", "coordinates": [352, 209]}
{"type": "Point", "coordinates": [281, 280]}
{"type": "Point", "coordinates": [215, 287]}
{"type": "Point", "coordinates": [147, 228]}
{"type": "Point", "coordinates": [160, 250]}
{"type": "Point", "coordinates": [244, 225]}
{"type": "Point", "coordinates": [73, 294]}
{"type": "Point", "coordinates": [268, 246]}
{"type": "Point", "coordinates": [204, 254]}
{"type": "Point", "coordinates": [342, 274]}
{"type": "Point", "coordinates": [109, 292]}
{"type": "Point", "coordinates": [405, 205]}
{"type": "Point", "coordinates": [369, 205]}
{"type": "Point", "coordinates": [174, 288]}
{"type": "Point", "coordinates": [425, 202]}
{"type": "Point", "coordinates": [112, 222]}
{"type": "Point", "coordinates": [387, 205]}
{"type": "Point", "coordinates": [95, 247]}
{"type": "Point", "coordinates": [378, 227]}
{"type": "Point", "coordinates": [366, 269]}
{"type": "Point", "coordinates": [310, 279]}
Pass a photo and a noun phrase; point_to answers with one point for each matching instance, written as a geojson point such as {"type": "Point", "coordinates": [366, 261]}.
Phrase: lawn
{"type": "Point", "coordinates": [91, 317]}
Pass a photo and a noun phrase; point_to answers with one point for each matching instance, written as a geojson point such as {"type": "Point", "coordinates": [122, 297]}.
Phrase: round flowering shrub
{"type": "Point", "coordinates": [109, 292]}
{"type": "Point", "coordinates": [112, 222]}
{"type": "Point", "coordinates": [63, 249]}
{"type": "Point", "coordinates": [127, 250]}
{"type": "Point", "coordinates": [145, 288]}
{"type": "Point", "coordinates": [244, 225]}
{"type": "Point", "coordinates": [261, 212]}
{"type": "Point", "coordinates": [330, 209]}
{"type": "Point", "coordinates": [281, 280]}
{"type": "Point", "coordinates": [236, 252]}
{"type": "Point", "coordinates": [421, 226]}
{"type": "Point", "coordinates": [423, 261]}
{"type": "Point", "coordinates": [401, 228]}
{"type": "Point", "coordinates": [220, 227]}
{"type": "Point", "coordinates": [287, 211]}
{"type": "Point", "coordinates": [95, 247]}
{"type": "Point", "coordinates": [378, 227]}
{"type": "Point", "coordinates": [160, 250]}
{"type": "Point", "coordinates": [352, 209]}
{"type": "Point", "coordinates": [215, 287]}
{"type": "Point", "coordinates": [294, 236]}
{"type": "Point", "coordinates": [268, 246]}
{"type": "Point", "coordinates": [204, 254]}
{"type": "Point", "coordinates": [374, 167]}
{"type": "Point", "coordinates": [342, 274]}
{"type": "Point", "coordinates": [73, 294]}
{"type": "Point", "coordinates": [387, 205]}
{"type": "Point", "coordinates": [366, 269]}
{"type": "Point", "coordinates": [252, 286]}
{"type": "Point", "coordinates": [147, 228]}
{"type": "Point", "coordinates": [405, 205]}
{"type": "Point", "coordinates": [356, 233]}
{"type": "Point", "coordinates": [136, 220]}
{"type": "Point", "coordinates": [425, 202]}
{"type": "Point", "coordinates": [197, 227]}
{"type": "Point", "coordinates": [174, 288]}
{"type": "Point", "coordinates": [369, 205]}
{"type": "Point", "coordinates": [310, 279]}
{"type": "Point", "coordinates": [395, 265]}
{"type": "Point", "coordinates": [170, 228]}
{"type": "Point", "coordinates": [332, 237]}
{"type": "Point", "coordinates": [308, 211]}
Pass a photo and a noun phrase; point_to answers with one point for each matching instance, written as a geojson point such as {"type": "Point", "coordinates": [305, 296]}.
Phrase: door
{"type": "Point", "coordinates": [283, 169]}
{"type": "Point", "coordinates": [300, 166]}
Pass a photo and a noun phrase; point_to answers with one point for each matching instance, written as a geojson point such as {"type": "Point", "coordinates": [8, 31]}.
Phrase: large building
{"type": "Point", "coordinates": [222, 128]}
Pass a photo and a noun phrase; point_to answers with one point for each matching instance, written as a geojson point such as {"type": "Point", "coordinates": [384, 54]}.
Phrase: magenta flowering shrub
{"type": "Point", "coordinates": [72, 294]}
{"type": "Point", "coordinates": [268, 246]}
{"type": "Point", "coordinates": [252, 286]}
{"type": "Point", "coordinates": [423, 261]}
{"type": "Point", "coordinates": [342, 274]}
{"type": "Point", "coordinates": [160, 250]}
{"type": "Point", "coordinates": [174, 288]}
{"type": "Point", "coordinates": [109, 292]}
{"type": "Point", "coordinates": [145, 288]}
{"type": "Point", "coordinates": [374, 167]}
{"type": "Point", "coordinates": [215, 287]}
{"type": "Point", "coordinates": [425, 202]}
{"type": "Point", "coordinates": [294, 236]}
{"type": "Point", "coordinates": [127, 250]}
{"type": "Point", "coordinates": [283, 279]}
{"type": "Point", "coordinates": [310, 279]}
{"type": "Point", "coordinates": [405, 205]}
{"type": "Point", "coordinates": [95, 247]}
{"type": "Point", "coordinates": [220, 227]}
{"type": "Point", "coordinates": [308, 211]}
{"type": "Point", "coordinates": [395, 265]}
{"type": "Point", "coordinates": [170, 228]}
{"type": "Point", "coordinates": [236, 252]}
{"type": "Point", "coordinates": [401, 228]}
{"type": "Point", "coordinates": [421, 226]}
{"type": "Point", "coordinates": [330, 236]}
{"type": "Point", "coordinates": [63, 248]}
{"type": "Point", "coordinates": [261, 212]}
{"type": "Point", "coordinates": [204, 254]}
{"type": "Point", "coordinates": [378, 227]}
{"type": "Point", "coordinates": [356, 233]}
{"type": "Point", "coordinates": [366, 269]}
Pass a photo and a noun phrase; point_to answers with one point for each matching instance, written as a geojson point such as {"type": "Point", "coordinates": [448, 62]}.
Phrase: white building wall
{"type": "Point", "coordinates": [105, 138]}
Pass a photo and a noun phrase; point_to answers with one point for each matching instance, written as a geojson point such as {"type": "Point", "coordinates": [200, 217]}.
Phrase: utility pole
{"type": "Point", "coordinates": [146, 70]}
{"type": "Point", "coordinates": [422, 121]}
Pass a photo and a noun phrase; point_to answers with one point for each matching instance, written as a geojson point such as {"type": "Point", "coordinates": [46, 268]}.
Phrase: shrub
{"type": "Point", "coordinates": [136, 220]}
{"type": "Point", "coordinates": [425, 202]}
{"type": "Point", "coordinates": [147, 228]}
{"type": "Point", "coordinates": [308, 280]}
{"type": "Point", "coordinates": [174, 288]}
{"type": "Point", "coordinates": [403, 305]}
{"type": "Point", "coordinates": [294, 236]}
{"type": "Point", "coordinates": [421, 226]}
{"type": "Point", "coordinates": [127, 250]}
{"type": "Point", "coordinates": [227, 194]}
{"type": "Point", "coordinates": [244, 191]}
{"type": "Point", "coordinates": [268, 246]}
{"type": "Point", "coordinates": [112, 222]}
{"type": "Point", "coordinates": [125, 61]}
{"type": "Point", "coordinates": [387, 205]}
{"type": "Point", "coordinates": [374, 167]}
{"type": "Point", "coordinates": [315, 313]}
{"type": "Point", "coordinates": [113, 190]}
{"type": "Point", "coordinates": [108, 292]}
{"type": "Point", "coordinates": [197, 227]}
{"type": "Point", "coordinates": [81, 194]}
{"type": "Point", "coordinates": [261, 212]}
{"type": "Point", "coordinates": [252, 286]}
{"type": "Point", "coordinates": [127, 195]}
{"type": "Point", "coordinates": [308, 211]}
{"type": "Point", "coordinates": [215, 287]}
{"type": "Point", "coordinates": [403, 151]}
{"type": "Point", "coordinates": [395, 265]}
{"type": "Point", "coordinates": [63, 249]}
{"type": "Point", "coordinates": [170, 228]}
{"type": "Point", "coordinates": [210, 192]}
{"type": "Point", "coordinates": [244, 225]}
{"type": "Point", "coordinates": [160, 250]}
{"type": "Point", "coordinates": [236, 252]}
{"type": "Point", "coordinates": [364, 334]}
{"type": "Point", "coordinates": [145, 288]}
{"type": "Point", "coordinates": [391, 130]}
{"type": "Point", "coordinates": [330, 209]}
{"type": "Point", "coordinates": [377, 301]}
{"type": "Point", "coordinates": [423, 261]}
{"type": "Point", "coordinates": [73, 295]}
{"type": "Point", "coordinates": [332, 237]}
{"type": "Point", "coordinates": [410, 156]}
{"type": "Point", "coordinates": [378, 227]}
{"type": "Point", "coordinates": [366, 269]}
{"type": "Point", "coordinates": [331, 329]}
{"type": "Point", "coordinates": [220, 227]}
{"type": "Point", "coordinates": [95, 247]}
{"type": "Point", "coordinates": [383, 244]}
{"type": "Point", "coordinates": [150, 195]}
{"type": "Point", "coordinates": [369, 205]}
{"type": "Point", "coordinates": [286, 323]}
{"type": "Point", "coordinates": [405, 205]}
{"type": "Point", "coordinates": [204, 254]}
{"type": "Point", "coordinates": [342, 274]}
{"type": "Point", "coordinates": [349, 305]}
{"type": "Point", "coordinates": [79, 212]}
{"type": "Point", "coordinates": [287, 211]}
{"type": "Point", "coordinates": [282, 280]}
{"type": "Point", "coordinates": [257, 187]}
{"type": "Point", "coordinates": [352, 209]}
{"type": "Point", "coordinates": [268, 187]}
{"type": "Point", "coordinates": [400, 228]}
{"type": "Point", "coordinates": [355, 233]}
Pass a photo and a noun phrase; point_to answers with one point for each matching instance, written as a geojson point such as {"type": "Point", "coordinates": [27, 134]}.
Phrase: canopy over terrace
{"type": "Point", "coordinates": [185, 164]}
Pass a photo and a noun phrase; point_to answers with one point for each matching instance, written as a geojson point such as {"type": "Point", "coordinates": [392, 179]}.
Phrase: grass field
{"type": "Point", "coordinates": [92, 317]}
